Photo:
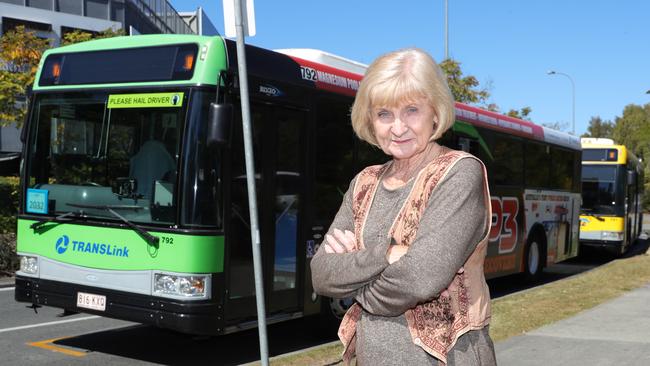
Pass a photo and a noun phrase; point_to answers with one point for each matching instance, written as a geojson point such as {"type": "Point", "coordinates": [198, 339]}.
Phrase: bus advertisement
{"type": "Point", "coordinates": [611, 217]}
{"type": "Point", "coordinates": [134, 190]}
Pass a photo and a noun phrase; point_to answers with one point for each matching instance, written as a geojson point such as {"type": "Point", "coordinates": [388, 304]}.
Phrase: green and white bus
{"type": "Point", "coordinates": [134, 190]}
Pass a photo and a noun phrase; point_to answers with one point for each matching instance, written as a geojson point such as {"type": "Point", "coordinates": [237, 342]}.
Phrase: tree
{"type": "Point", "coordinates": [20, 53]}
{"type": "Point", "coordinates": [599, 128]}
{"type": "Point", "coordinates": [632, 129]}
{"type": "Point", "coordinates": [463, 88]}
{"type": "Point", "coordinates": [77, 36]}
{"type": "Point", "coordinates": [521, 114]}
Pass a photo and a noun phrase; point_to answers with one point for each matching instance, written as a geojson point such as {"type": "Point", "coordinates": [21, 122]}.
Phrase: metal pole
{"type": "Point", "coordinates": [250, 180]}
{"type": "Point", "coordinates": [446, 29]}
{"type": "Point", "coordinates": [573, 117]}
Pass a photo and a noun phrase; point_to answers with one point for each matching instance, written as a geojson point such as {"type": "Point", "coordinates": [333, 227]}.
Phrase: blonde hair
{"type": "Point", "coordinates": [399, 76]}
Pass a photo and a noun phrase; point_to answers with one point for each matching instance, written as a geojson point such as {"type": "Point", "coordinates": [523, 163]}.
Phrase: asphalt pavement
{"type": "Point", "coordinates": [614, 333]}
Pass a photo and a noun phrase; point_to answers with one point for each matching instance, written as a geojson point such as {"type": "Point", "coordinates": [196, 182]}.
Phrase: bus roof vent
{"type": "Point", "coordinates": [596, 141]}
{"type": "Point", "coordinates": [326, 58]}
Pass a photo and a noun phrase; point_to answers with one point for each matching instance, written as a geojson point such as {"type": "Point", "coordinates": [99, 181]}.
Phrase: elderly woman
{"type": "Point", "coordinates": [409, 240]}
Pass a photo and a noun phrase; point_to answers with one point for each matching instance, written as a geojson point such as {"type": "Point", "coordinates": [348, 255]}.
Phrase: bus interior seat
{"type": "Point", "coordinates": [151, 163]}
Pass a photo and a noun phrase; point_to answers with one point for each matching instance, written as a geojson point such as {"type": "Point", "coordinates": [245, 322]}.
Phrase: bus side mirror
{"type": "Point", "coordinates": [631, 177]}
{"type": "Point", "coordinates": [219, 124]}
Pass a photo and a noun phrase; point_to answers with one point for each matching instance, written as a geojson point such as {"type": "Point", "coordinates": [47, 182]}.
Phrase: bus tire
{"type": "Point", "coordinates": [332, 312]}
{"type": "Point", "coordinates": [535, 258]}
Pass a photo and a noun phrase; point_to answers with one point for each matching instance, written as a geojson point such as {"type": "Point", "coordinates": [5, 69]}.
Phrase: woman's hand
{"type": "Point", "coordinates": [340, 242]}
{"type": "Point", "coordinates": [395, 252]}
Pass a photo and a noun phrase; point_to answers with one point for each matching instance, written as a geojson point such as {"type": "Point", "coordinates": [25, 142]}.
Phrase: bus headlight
{"type": "Point", "coordinates": [29, 265]}
{"type": "Point", "coordinates": [191, 286]}
{"type": "Point", "coordinates": [612, 235]}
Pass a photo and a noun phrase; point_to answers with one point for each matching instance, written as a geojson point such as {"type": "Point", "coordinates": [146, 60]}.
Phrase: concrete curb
{"type": "Point", "coordinates": [289, 354]}
{"type": "Point", "coordinates": [7, 282]}
{"type": "Point", "coordinates": [647, 252]}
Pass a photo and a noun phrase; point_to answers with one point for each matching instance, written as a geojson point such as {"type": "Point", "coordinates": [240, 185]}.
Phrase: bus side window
{"type": "Point", "coordinates": [468, 145]}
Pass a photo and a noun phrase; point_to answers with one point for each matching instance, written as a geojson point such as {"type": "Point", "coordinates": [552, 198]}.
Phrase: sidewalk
{"type": "Point", "coordinates": [6, 281]}
{"type": "Point", "coordinates": [614, 333]}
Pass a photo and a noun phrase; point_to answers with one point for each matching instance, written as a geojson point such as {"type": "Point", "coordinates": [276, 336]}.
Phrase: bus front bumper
{"type": "Point", "coordinates": [613, 246]}
{"type": "Point", "coordinates": [195, 317]}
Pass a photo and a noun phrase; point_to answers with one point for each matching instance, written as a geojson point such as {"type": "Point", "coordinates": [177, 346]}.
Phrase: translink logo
{"type": "Point", "coordinates": [64, 241]}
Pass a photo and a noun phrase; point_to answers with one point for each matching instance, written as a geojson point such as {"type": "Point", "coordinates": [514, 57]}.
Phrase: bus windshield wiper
{"type": "Point", "coordinates": [150, 239]}
{"type": "Point", "coordinates": [61, 218]}
{"type": "Point", "coordinates": [597, 216]}
{"type": "Point", "coordinates": [589, 212]}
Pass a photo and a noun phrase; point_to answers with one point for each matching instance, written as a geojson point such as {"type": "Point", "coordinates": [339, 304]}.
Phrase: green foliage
{"type": "Point", "coordinates": [82, 36]}
{"type": "Point", "coordinates": [9, 202]}
{"type": "Point", "coordinates": [463, 88]}
{"type": "Point", "coordinates": [633, 130]}
{"type": "Point", "coordinates": [20, 53]}
{"type": "Point", "coordinates": [599, 128]}
{"type": "Point", "coordinates": [521, 114]}
{"type": "Point", "coordinates": [9, 262]}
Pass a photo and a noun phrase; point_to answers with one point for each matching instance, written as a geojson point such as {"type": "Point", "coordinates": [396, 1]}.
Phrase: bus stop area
{"type": "Point", "coordinates": [613, 333]}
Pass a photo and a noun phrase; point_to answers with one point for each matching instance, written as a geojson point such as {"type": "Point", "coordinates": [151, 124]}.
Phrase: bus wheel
{"type": "Point", "coordinates": [338, 307]}
{"type": "Point", "coordinates": [535, 259]}
{"type": "Point", "coordinates": [332, 311]}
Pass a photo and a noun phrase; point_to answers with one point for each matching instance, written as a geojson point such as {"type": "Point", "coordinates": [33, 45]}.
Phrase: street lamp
{"type": "Point", "coordinates": [446, 29]}
{"type": "Point", "coordinates": [573, 91]}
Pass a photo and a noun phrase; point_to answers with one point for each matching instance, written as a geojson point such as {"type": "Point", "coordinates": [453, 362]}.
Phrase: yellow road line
{"type": "Point", "coordinates": [47, 344]}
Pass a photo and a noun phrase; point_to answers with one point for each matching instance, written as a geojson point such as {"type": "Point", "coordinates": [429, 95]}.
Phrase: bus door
{"type": "Point", "coordinates": [286, 183]}
{"type": "Point", "coordinates": [277, 134]}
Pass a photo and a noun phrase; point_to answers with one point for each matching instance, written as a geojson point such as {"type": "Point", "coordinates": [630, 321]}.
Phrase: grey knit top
{"type": "Point", "coordinates": [450, 228]}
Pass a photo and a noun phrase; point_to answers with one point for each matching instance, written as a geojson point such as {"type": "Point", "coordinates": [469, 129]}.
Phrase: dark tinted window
{"type": "Point", "coordinates": [334, 157]}
{"type": "Point", "coordinates": [70, 6]}
{"type": "Point", "coordinates": [562, 172]}
{"type": "Point", "coordinates": [507, 164]}
{"type": "Point", "coordinates": [368, 155]}
{"type": "Point", "coordinates": [202, 193]}
{"type": "Point", "coordinates": [600, 191]}
{"type": "Point", "coordinates": [97, 8]}
{"type": "Point", "coordinates": [117, 66]}
{"type": "Point", "coordinates": [599, 155]}
{"type": "Point", "coordinates": [82, 153]}
{"type": "Point", "coordinates": [537, 165]}
{"type": "Point", "coordinates": [41, 4]}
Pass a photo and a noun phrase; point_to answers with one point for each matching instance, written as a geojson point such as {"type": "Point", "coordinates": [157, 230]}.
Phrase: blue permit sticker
{"type": "Point", "coordinates": [37, 201]}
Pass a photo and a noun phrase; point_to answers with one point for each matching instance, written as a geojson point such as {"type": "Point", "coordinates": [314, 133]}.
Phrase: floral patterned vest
{"type": "Point", "coordinates": [465, 304]}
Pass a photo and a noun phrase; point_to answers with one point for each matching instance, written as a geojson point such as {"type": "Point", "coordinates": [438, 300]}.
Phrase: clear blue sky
{"type": "Point", "coordinates": [509, 45]}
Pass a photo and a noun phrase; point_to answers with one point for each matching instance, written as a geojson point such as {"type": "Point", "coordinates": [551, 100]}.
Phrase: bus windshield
{"type": "Point", "coordinates": [85, 153]}
{"type": "Point", "coordinates": [599, 189]}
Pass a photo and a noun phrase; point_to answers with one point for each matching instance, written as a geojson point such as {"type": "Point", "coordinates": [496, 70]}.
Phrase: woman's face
{"type": "Point", "coordinates": [404, 130]}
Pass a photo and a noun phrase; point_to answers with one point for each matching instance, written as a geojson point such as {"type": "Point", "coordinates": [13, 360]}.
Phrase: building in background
{"type": "Point", "coordinates": [54, 18]}
{"type": "Point", "coordinates": [199, 22]}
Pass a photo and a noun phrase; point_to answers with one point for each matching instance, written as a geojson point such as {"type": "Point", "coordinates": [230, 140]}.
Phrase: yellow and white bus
{"type": "Point", "coordinates": [612, 191]}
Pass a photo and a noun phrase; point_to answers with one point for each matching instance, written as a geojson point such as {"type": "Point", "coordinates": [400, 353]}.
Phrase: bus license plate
{"type": "Point", "coordinates": [91, 301]}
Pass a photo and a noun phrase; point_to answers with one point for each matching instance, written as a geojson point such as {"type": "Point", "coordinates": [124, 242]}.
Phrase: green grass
{"type": "Point", "coordinates": [522, 312]}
